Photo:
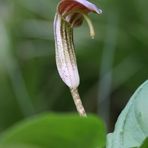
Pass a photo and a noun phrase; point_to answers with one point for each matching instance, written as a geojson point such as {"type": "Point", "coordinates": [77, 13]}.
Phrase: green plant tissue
{"type": "Point", "coordinates": [56, 131]}
{"type": "Point", "coordinates": [131, 128]}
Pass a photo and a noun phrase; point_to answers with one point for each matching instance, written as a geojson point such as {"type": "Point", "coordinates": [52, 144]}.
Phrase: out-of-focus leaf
{"type": "Point", "coordinates": [145, 144]}
{"type": "Point", "coordinates": [4, 46]}
{"type": "Point", "coordinates": [58, 131]}
{"type": "Point", "coordinates": [132, 125]}
{"type": "Point", "coordinates": [18, 146]}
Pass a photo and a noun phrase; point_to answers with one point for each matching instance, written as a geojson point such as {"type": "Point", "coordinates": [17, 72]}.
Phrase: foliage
{"type": "Point", "coordinates": [132, 125]}
{"type": "Point", "coordinates": [30, 79]}
{"type": "Point", "coordinates": [111, 66]}
{"type": "Point", "coordinates": [50, 130]}
{"type": "Point", "coordinates": [145, 144]}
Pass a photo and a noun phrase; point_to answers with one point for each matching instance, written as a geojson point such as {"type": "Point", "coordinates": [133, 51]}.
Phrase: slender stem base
{"type": "Point", "coordinates": [78, 102]}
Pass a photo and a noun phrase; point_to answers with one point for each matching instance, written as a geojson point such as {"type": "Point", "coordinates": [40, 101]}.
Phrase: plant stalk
{"type": "Point", "coordinates": [78, 102]}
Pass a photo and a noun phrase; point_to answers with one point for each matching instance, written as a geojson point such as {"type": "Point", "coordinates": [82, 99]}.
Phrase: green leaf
{"type": "Point", "coordinates": [17, 146]}
{"type": "Point", "coordinates": [132, 125]}
{"type": "Point", "coordinates": [58, 131]}
{"type": "Point", "coordinates": [145, 144]}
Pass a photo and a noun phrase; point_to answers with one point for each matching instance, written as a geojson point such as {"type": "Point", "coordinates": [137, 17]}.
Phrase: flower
{"type": "Point", "coordinates": [70, 14]}
{"type": "Point", "coordinates": [73, 10]}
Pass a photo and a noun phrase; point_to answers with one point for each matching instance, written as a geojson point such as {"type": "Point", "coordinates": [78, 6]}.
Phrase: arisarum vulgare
{"type": "Point", "coordinates": [70, 14]}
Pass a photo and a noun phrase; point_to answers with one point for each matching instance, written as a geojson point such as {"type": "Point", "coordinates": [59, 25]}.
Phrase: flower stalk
{"type": "Point", "coordinates": [78, 102]}
{"type": "Point", "coordinates": [70, 14]}
{"type": "Point", "coordinates": [66, 60]}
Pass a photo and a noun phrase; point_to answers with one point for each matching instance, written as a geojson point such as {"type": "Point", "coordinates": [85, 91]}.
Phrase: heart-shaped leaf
{"type": "Point", "coordinates": [132, 125]}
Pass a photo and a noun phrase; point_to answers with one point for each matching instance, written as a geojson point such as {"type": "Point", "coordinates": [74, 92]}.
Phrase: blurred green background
{"type": "Point", "coordinates": [111, 66]}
